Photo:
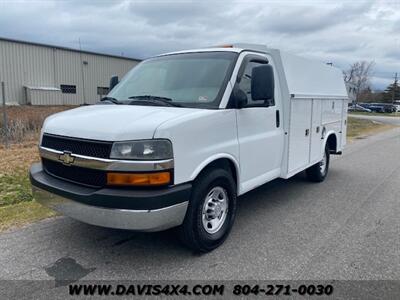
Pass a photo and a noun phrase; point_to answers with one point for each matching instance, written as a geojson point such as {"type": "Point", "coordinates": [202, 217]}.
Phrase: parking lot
{"type": "Point", "coordinates": [344, 228]}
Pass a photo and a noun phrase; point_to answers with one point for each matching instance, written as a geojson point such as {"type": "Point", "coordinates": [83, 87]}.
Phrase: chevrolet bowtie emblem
{"type": "Point", "coordinates": [66, 158]}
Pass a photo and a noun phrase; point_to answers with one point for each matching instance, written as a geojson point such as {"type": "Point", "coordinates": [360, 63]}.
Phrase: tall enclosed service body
{"type": "Point", "coordinates": [314, 106]}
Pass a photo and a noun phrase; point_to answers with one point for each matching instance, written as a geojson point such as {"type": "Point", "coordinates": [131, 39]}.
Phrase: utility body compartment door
{"type": "Point", "coordinates": [316, 131]}
{"type": "Point", "coordinates": [299, 134]}
{"type": "Point", "coordinates": [332, 118]}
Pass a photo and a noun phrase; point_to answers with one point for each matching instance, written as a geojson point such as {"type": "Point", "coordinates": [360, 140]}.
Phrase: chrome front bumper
{"type": "Point", "coordinates": [140, 220]}
{"type": "Point", "coordinates": [141, 210]}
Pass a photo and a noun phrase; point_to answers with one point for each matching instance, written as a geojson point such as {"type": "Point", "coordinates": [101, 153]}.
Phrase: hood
{"type": "Point", "coordinates": [112, 122]}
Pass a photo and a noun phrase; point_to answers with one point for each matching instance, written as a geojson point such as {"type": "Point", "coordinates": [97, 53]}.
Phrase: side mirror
{"type": "Point", "coordinates": [113, 82]}
{"type": "Point", "coordinates": [239, 97]}
{"type": "Point", "coordinates": [262, 83]}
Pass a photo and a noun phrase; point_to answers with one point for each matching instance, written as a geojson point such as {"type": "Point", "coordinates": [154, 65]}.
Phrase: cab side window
{"type": "Point", "coordinates": [245, 85]}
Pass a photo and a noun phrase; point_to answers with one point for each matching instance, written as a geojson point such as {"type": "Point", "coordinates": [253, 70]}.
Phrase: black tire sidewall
{"type": "Point", "coordinates": [323, 175]}
{"type": "Point", "coordinates": [213, 178]}
{"type": "Point", "coordinates": [314, 173]}
{"type": "Point", "coordinates": [203, 234]}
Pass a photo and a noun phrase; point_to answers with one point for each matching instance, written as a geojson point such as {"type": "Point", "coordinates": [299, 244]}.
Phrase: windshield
{"type": "Point", "coordinates": [188, 80]}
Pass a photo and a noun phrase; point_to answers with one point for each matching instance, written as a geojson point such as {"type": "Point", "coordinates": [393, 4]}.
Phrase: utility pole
{"type": "Point", "coordinates": [83, 73]}
{"type": "Point", "coordinates": [394, 87]}
{"type": "Point", "coordinates": [5, 125]}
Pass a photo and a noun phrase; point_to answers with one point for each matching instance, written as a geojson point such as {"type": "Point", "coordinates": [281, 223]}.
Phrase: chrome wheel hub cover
{"type": "Point", "coordinates": [215, 209]}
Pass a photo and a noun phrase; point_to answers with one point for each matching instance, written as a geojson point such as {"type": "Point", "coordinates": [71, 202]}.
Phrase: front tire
{"type": "Point", "coordinates": [319, 171]}
{"type": "Point", "coordinates": [211, 211]}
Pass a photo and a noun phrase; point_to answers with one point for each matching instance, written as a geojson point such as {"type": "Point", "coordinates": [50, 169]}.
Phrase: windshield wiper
{"type": "Point", "coordinates": [150, 97]}
{"type": "Point", "coordinates": [153, 99]}
{"type": "Point", "coordinates": [110, 99]}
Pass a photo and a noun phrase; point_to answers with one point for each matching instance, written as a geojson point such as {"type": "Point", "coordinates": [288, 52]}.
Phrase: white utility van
{"type": "Point", "coordinates": [183, 134]}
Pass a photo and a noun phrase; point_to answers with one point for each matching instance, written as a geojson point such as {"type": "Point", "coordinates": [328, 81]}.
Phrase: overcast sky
{"type": "Point", "coordinates": [340, 31]}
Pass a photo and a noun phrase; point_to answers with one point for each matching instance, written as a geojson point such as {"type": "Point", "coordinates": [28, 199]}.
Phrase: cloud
{"type": "Point", "coordinates": [309, 18]}
{"type": "Point", "coordinates": [331, 31]}
{"type": "Point", "coordinates": [179, 12]}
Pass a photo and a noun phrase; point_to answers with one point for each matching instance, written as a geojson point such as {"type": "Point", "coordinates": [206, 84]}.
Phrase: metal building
{"type": "Point", "coordinates": [40, 74]}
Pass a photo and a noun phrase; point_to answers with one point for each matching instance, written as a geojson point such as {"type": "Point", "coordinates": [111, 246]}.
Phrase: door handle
{"type": "Point", "coordinates": [307, 132]}
{"type": "Point", "coordinates": [278, 121]}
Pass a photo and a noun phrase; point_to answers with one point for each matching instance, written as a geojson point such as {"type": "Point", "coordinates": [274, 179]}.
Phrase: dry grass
{"type": "Point", "coordinates": [17, 206]}
{"type": "Point", "coordinates": [24, 122]}
{"type": "Point", "coordinates": [18, 156]}
{"type": "Point", "coordinates": [395, 114]}
{"type": "Point", "coordinates": [23, 213]}
{"type": "Point", "coordinates": [360, 127]}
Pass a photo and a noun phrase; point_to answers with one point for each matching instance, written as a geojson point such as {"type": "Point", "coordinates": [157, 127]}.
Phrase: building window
{"type": "Point", "coordinates": [102, 90]}
{"type": "Point", "coordinates": [68, 89]}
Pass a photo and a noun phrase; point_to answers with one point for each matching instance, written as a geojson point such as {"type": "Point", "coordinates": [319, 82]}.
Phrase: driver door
{"type": "Point", "coordinates": [260, 132]}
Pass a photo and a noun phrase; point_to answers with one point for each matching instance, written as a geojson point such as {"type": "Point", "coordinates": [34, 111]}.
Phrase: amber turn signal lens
{"type": "Point", "coordinates": [142, 179]}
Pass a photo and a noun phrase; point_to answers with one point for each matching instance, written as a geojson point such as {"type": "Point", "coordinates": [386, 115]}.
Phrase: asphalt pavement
{"type": "Point", "coordinates": [344, 228]}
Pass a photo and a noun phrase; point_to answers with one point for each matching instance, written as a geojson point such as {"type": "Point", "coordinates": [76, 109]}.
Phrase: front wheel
{"type": "Point", "coordinates": [319, 171]}
{"type": "Point", "coordinates": [211, 211]}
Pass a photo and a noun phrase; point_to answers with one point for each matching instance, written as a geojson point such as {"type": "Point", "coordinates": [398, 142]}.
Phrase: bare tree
{"type": "Point", "coordinates": [359, 75]}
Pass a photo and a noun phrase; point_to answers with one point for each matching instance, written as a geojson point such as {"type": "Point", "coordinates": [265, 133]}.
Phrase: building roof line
{"type": "Point", "coordinates": [67, 48]}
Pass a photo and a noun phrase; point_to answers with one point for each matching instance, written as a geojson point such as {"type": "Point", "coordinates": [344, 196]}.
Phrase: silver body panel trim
{"type": "Point", "coordinates": [140, 220]}
{"type": "Point", "coordinates": [108, 164]}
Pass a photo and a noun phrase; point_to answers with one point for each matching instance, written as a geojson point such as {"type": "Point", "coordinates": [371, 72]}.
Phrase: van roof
{"type": "Point", "coordinates": [203, 50]}
{"type": "Point", "coordinates": [304, 77]}
{"type": "Point", "coordinates": [235, 47]}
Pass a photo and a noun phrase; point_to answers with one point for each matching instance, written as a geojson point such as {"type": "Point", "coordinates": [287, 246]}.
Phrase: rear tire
{"type": "Point", "coordinates": [211, 211]}
{"type": "Point", "coordinates": [319, 171]}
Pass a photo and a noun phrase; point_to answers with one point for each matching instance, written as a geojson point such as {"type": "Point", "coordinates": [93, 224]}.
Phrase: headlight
{"type": "Point", "coordinates": [142, 150]}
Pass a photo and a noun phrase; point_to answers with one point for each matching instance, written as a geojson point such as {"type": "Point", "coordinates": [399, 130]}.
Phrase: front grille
{"type": "Point", "coordinates": [91, 177]}
{"type": "Point", "coordinates": [91, 148]}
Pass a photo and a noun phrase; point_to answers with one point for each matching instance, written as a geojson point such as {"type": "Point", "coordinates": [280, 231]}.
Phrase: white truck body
{"type": "Point", "coordinates": [261, 143]}
{"type": "Point", "coordinates": [308, 94]}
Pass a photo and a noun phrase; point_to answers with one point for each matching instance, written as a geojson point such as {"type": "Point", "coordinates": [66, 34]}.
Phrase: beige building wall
{"type": "Point", "coordinates": [24, 64]}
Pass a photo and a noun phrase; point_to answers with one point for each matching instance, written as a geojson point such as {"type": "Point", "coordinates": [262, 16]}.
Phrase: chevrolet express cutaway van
{"type": "Point", "coordinates": [183, 134]}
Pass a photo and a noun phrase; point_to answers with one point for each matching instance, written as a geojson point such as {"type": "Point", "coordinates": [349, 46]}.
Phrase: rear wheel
{"type": "Point", "coordinates": [211, 211]}
{"type": "Point", "coordinates": [319, 171]}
